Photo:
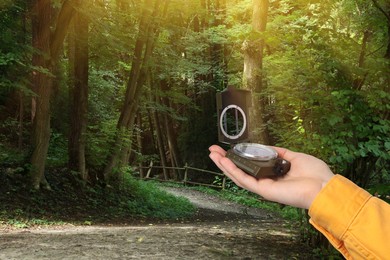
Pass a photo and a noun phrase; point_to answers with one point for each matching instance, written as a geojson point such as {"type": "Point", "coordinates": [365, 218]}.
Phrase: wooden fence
{"type": "Point", "coordinates": [185, 179]}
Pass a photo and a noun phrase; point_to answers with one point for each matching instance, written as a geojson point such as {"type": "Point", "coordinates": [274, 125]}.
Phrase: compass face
{"type": "Point", "coordinates": [254, 151]}
{"type": "Point", "coordinates": [232, 109]}
{"type": "Point", "coordinates": [233, 122]}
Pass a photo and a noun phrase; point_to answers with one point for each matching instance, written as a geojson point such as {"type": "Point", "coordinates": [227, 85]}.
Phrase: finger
{"type": "Point", "coordinates": [241, 178]}
{"type": "Point", "coordinates": [285, 153]}
{"type": "Point", "coordinates": [216, 157]}
{"type": "Point", "coordinates": [230, 170]}
{"type": "Point", "coordinates": [218, 149]}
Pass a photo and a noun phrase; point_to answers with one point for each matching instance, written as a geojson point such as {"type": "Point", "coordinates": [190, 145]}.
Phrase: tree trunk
{"type": "Point", "coordinates": [79, 97]}
{"type": "Point", "coordinates": [140, 125]}
{"type": "Point", "coordinates": [49, 49]}
{"type": "Point", "coordinates": [142, 52]}
{"type": "Point", "coordinates": [170, 133]}
{"type": "Point", "coordinates": [123, 133]}
{"type": "Point", "coordinates": [387, 54]}
{"type": "Point", "coordinates": [42, 84]}
{"type": "Point", "coordinates": [160, 144]}
{"type": "Point", "coordinates": [252, 76]}
{"type": "Point", "coordinates": [21, 121]}
{"type": "Point", "coordinates": [359, 80]}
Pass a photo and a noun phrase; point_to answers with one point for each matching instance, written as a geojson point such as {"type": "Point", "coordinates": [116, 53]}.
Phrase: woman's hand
{"type": "Point", "coordinates": [298, 188]}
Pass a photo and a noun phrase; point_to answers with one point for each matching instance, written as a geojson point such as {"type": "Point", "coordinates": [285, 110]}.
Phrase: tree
{"type": "Point", "coordinates": [142, 52]}
{"type": "Point", "coordinates": [79, 94]}
{"type": "Point", "coordinates": [253, 78]}
{"type": "Point", "coordinates": [15, 62]}
{"type": "Point", "coordinates": [47, 51]}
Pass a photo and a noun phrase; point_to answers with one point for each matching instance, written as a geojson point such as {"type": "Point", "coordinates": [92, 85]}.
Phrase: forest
{"type": "Point", "coordinates": [98, 89]}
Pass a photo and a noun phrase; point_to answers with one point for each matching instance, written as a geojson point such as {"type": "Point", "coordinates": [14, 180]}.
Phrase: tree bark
{"type": "Point", "coordinates": [170, 133]}
{"type": "Point", "coordinates": [42, 85]}
{"type": "Point", "coordinates": [140, 125]}
{"type": "Point", "coordinates": [79, 97]}
{"type": "Point", "coordinates": [49, 50]}
{"type": "Point", "coordinates": [252, 74]}
{"type": "Point", "coordinates": [160, 144]}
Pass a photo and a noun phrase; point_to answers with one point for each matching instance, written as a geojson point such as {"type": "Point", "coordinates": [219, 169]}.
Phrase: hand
{"type": "Point", "coordinates": [298, 188]}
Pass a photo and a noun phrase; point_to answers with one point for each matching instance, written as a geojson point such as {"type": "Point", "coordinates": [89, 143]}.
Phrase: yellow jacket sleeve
{"type": "Point", "coordinates": [356, 223]}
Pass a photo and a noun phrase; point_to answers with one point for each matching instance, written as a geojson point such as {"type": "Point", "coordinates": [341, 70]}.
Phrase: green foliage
{"type": "Point", "coordinates": [229, 184]}
{"type": "Point", "coordinates": [325, 112]}
{"type": "Point", "coordinates": [382, 190]}
{"type": "Point", "coordinates": [327, 253]}
{"type": "Point", "coordinates": [99, 139]}
{"type": "Point", "coordinates": [102, 115]}
{"type": "Point", "coordinates": [58, 151]}
{"type": "Point", "coordinates": [10, 155]}
{"type": "Point", "coordinates": [14, 52]}
{"type": "Point", "coordinates": [18, 219]}
{"type": "Point", "coordinates": [233, 193]}
{"type": "Point", "coordinates": [324, 98]}
{"type": "Point", "coordinates": [150, 201]}
{"type": "Point", "coordinates": [71, 202]}
{"type": "Point", "coordinates": [361, 133]}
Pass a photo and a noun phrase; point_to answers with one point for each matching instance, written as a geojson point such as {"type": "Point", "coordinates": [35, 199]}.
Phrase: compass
{"type": "Point", "coordinates": [258, 160]}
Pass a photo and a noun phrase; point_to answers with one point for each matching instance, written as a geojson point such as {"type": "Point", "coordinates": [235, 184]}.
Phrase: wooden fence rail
{"type": "Point", "coordinates": [185, 180]}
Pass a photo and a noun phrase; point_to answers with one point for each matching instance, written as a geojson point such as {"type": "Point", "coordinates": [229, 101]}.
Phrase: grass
{"type": "Point", "coordinates": [244, 197]}
{"type": "Point", "coordinates": [71, 202]}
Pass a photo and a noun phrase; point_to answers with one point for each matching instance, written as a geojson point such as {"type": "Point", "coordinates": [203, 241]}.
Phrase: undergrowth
{"type": "Point", "coordinates": [244, 197]}
{"type": "Point", "coordinates": [69, 201]}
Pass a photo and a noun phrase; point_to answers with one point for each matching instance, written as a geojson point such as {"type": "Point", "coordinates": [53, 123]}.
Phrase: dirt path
{"type": "Point", "coordinates": [220, 230]}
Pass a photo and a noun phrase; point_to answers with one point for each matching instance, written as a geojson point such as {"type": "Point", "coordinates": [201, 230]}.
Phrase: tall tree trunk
{"type": "Point", "coordinates": [42, 84]}
{"type": "Point", "coordinates": [160, 144]}
{"type": "Point", "coordinates": [387, 54]}
{"type": "Point", "coordinates": [359, 81]}
{"type": "Point", "coordinates": [21, 120]}
{"type": "Point", "coordinates": [140, 125]}
{"type": "Point", "coordinates": [79, 97]}
{"type": "Point", "coordinates": [138, 75]}
{"type": "Point", "coordinates": [49, 50]}
{"type": "Point", "coordinates": [123, 134]}
{"type": "Point", "coordinates": [24, 41]}
{"type": "Point", "coordinates": [170, 133]}
{"type": "Point", "coordinates": [252, 76]}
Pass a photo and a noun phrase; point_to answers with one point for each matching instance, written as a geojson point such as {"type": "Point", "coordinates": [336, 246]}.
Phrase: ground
{"type": "Point", "coordinates": [219, 230]}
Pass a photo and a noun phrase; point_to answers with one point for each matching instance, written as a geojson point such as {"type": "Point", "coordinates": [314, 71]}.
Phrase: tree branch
{"type": "Point", "coordinates": [62, 25]}
{"type": "Point", "coordinates": [381, 9]}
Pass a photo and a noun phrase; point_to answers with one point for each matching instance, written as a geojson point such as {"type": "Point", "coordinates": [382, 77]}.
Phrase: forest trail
{"type": "Point", "coordinates": [220, 230]}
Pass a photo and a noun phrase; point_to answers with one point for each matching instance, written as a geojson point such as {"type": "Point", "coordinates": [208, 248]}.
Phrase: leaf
{"type": "Point", "coordinates": [334, 119]}
{"type": "Point", "coordinates": [387, 146]}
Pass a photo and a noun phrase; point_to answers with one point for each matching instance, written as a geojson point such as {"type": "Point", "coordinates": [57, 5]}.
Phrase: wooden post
{"type": "Point", "coordinates": [223, 182]}
{"type": "Point", "coordinates": [185, 173]}
{"type": "Point", "coordinates": [149, 170]}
